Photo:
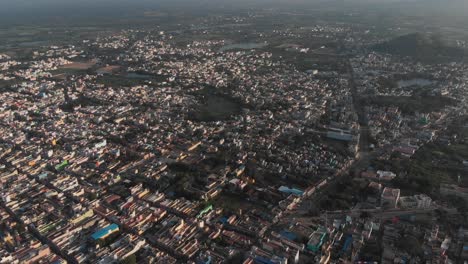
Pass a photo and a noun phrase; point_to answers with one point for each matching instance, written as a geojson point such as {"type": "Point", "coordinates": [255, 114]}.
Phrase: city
{"type": "Point", "coordinates": [233, 138]}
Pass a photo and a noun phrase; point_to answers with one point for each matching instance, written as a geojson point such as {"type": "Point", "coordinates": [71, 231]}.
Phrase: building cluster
{"type": "Point", "coordinates": [99, 166]}
{"type": "Point", "coordinates": [143, 147]}
{"type": "Point", "coordinates": [380, 194]}
{"type": "Point", "coordinates": [403, 241]}
{"type": "Point", "coordinates": [402, 94]}
{"type": "Point", "coordinates": [19, 246]}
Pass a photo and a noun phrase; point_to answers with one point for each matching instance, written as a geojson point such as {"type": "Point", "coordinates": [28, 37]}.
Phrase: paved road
{"type": "Point", "coordinates": [362, 160]}
{"type": "Point", "coordinates": [364, 132]}
{"type": "Point", "coordinates": [380, 213]}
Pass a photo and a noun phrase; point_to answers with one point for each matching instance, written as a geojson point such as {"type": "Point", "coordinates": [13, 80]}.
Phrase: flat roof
{"type": "Point", "coordinates": [105, 231]}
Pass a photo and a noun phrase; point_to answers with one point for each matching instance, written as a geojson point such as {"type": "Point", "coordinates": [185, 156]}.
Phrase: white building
{"type": "Point", "coordinates": [408, 202]}
{"type": "Point", "coordinates": [423, 200]}
{"type": "Point", "coordinates": [386, 175]}
{"type": "Point", "coordinates": [420, 201]}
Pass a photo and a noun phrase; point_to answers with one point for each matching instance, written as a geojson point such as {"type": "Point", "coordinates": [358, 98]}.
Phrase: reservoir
{"type": "Point", "coordinates": [135, 75]}
{"type": "Point", "coordinates": [244, 46]}
{"type": "Point", "coordinates": [414, 82]}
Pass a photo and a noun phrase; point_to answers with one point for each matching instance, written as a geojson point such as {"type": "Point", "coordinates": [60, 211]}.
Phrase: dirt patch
{"type": "Point", "coordinates": [79, 65]}
{"type": "Point", "coordinates": [108, 69]}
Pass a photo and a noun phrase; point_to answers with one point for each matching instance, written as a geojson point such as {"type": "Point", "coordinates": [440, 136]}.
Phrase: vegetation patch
{"type": "Point", "coordinates": [215, 106]}
{"type": "Point", "coordinates": [426, 48]}
{"type": "Point", "coordinates": [411, 104]}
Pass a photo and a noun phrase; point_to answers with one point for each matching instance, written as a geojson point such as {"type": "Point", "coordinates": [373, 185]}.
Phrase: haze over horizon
{"type": "Point", "coordinates": [15, 7]}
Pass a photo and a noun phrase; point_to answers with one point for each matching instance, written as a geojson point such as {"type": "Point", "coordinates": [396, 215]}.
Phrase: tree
{"type": "Point", "coordinates": [129, 260]}
{"type": "Point", "coordinates": [458, 202]}
{"type": "Point", "coordinates": [410, 244]}
{"type": "Point", "coordinates": [365, 215]}
{"type": "Point", "coordinates": [237, 258]}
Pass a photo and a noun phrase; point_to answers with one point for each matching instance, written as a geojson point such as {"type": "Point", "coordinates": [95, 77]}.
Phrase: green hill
{"type": "Point", "coordinates": [427, 48]}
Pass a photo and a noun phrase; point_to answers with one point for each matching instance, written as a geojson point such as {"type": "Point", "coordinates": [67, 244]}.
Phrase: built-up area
{"type": "Point", "coordinates": [135, 148]}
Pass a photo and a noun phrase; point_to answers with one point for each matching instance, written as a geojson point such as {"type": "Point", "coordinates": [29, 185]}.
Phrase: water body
{"type": "Point", "coordinates": [414, 82]}
{"type": "Point", "coordinates": [29, 44]}
{"type": "Point", "coordinates": [134, 75]}
{"type": "Point", "coordinates": [244, 46]}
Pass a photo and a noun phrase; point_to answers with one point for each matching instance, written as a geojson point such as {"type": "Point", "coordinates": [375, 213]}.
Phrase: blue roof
{"type": "Point", "coordinates": [347, 243]}
{"type": "Point", "coordinates": [262, 260]}
{"type": "Point", "coordinates": [288, 235]}
{"type": "Point", "coordinates": [290, 190]}
{"type": "Point", "coordinates": [105, 231]}
{"type": "Point", "coordinates": [207, 261]}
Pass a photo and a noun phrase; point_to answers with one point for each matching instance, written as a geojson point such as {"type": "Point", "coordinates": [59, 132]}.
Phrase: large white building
{"type": "Point", "coordinates": [423, 200]}
{"type": "Point", "coordinates": [420, 201]}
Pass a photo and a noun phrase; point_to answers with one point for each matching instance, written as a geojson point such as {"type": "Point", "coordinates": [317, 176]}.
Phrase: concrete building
{"type": "Point", "coordinates": [420, 201]}
{"type": "Point", "coordinates": [423, 201]}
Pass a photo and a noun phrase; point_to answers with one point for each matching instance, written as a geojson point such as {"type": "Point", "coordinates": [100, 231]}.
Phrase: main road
{"type": "Point", "coordinates": [361, 161]}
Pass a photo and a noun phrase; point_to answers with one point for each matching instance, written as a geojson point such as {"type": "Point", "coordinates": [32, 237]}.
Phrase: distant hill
{"type": "Point", "coordinates": [428, 48]}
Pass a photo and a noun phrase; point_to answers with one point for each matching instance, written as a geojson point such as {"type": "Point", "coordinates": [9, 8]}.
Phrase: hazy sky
{"type": "Point", "coordinates": [30, 10]}
{"type": "Point", "coordinates": [6, 5]}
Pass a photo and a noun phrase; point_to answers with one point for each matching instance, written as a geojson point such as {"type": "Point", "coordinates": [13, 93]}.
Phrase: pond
{"type": "Point", "coordinates": [244, 46]}
{"type": "Point", "coordinates": [37, 43]}
{"type": "Point", "coordinates": [134, 75]}
{"type": "Point", "coordinates": [414, 82]}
